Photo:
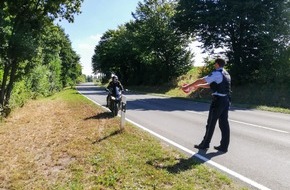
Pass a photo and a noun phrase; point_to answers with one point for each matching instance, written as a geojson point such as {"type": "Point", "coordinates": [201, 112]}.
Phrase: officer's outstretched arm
{"type": "Point", "coordinates": [206, 85]}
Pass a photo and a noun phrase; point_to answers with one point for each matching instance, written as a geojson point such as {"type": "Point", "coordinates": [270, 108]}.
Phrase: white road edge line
{"type": "Point", "coordinates": [259, 126]}
{"type": "Point", "coordinates": [223, 168]}
{"type": "Point", "coordinates": [253, 125]}
{"type": "Point", "coordinates": [235, 174]}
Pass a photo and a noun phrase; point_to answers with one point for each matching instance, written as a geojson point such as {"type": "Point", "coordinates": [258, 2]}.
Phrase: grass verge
{"type": "Point", "coordinates": [67, 142]}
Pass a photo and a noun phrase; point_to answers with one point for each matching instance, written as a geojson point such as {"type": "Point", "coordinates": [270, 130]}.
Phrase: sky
{"type": "Point", "coordinates": [97, 17]}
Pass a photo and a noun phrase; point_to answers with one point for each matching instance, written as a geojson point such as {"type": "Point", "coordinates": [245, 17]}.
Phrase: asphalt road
{"type": "Point", "coordinates": [259, 152]}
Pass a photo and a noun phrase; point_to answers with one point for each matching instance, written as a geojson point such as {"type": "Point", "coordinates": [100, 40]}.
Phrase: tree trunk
{"type": "Point", "coordinates": [11, 82]}
{"type": "Point", "coordinates": [4, 110]}
{"type": "Point", "coordinates": [3, 85]}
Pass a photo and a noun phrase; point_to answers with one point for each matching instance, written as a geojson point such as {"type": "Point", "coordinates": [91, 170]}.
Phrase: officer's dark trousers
{"type": "Point", "coordinates": [219, 109]}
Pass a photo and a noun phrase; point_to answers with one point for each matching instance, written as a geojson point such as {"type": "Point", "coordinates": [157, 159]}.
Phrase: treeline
{"type": "Point", "coordinates": [152, 48]}
{"type": "Point", "coordinates": [147, 50]}
{"type": "Point", "coordinates": [36, 56]}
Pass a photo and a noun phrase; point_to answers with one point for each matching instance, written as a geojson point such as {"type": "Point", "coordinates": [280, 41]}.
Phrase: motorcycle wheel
{"type": "Point", "coordinates": [115, 109]}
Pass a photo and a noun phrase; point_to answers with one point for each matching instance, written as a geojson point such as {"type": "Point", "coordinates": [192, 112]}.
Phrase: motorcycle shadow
{"type": "Point", "coordinates": [102, 115]}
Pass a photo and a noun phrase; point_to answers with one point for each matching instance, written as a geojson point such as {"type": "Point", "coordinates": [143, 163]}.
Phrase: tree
{"type": "Point", "coordinates": [147, 50]}
{"type": "Point", "coordinates": [106, 57]}
{"type": "Point", "coordinates": [22, 22]}
{"type": "Point", "coordinates": [116, 53]}
{"type": "Point", "coordinates": [70, 67]}
{"type": "Point", "coordinates": [254, 33]}
{"type": "Point", "coordinates": [164, 50]}
{"type": "Point", "coordinates": [51, 45]}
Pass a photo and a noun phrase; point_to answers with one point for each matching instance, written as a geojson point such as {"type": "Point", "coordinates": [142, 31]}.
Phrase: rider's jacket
{"type": "Point", "coordinates": [112, 85]}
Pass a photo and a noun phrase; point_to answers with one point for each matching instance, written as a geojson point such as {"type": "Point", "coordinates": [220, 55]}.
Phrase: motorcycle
{"type": "Point", "coordinates": [114, 100]}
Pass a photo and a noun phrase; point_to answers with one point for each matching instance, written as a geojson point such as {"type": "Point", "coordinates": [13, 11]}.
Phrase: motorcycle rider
{"type": "Point", "coordinates": [112, 86]}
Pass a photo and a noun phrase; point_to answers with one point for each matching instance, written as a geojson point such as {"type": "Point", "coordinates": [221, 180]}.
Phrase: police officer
{"type": "Point", "coordinates": [219, 81]}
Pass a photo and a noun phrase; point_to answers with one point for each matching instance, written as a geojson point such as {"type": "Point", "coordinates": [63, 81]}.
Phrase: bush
{"type": "Point", "coordinates": [38, 81]}
{"type": "Point", "coordinates": [20, 94]}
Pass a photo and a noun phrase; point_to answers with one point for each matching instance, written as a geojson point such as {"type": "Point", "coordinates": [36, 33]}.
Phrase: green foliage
{"type": "Point", "coordinates": [207, 68]}
{"type": "Point", "coordinates": [29, 40]}
{"type": "Point", "coordinates": [279, 72]}
{"type": "Point", "coordinates": [1, 72]}
{"type": "Point", "coordinates": [144, 51]}
{"type": "Point", "coordinates": [270, 97]}
{"type": "Point", "coordinates": [38, 81]}
{"type": "Point", "coordinates": [164, 53]}
{"type": "Point", "coordinates": [20, 95]}
{"type": "Point", "coordinates": [70, 66]}
{"type": "Point", "coordinates": [54, 76]}
{"type": "Point", "coordinates": [81, 79]}
{"type": "Point", "coordinates": [253, 33]}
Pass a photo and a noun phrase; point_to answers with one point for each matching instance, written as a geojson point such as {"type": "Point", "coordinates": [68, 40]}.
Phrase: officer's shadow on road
{"type": "Point", "coordinates": [183, 164]}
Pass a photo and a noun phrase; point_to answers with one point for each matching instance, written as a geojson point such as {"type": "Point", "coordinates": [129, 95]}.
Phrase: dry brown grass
{"type": "Point", "coordinates": [39, 142]}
